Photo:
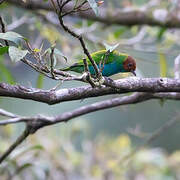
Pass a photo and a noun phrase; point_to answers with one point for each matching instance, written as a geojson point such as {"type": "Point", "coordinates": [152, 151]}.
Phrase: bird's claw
{"type": "Point", "coordinates": [94, 82]}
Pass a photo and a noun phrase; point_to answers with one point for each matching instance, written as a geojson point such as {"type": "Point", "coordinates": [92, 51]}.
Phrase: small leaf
{"type": "Point", "coordinates": [36, 50]}
{"type": "Point", "coordinates": [111, 48]}
{"type": "Point", "coordinates": [6, 73]}
{"type": "Point", "coordinates": [16, 54]}
{"type": "Point", "coordinates": [163, 65]}
{"type": "Point", "coordinates": [12, 36]}
{"type": "Point", "coordinates": [39, 83]}
{"type": "Point", "coordinates": [162, 102]}
{"type": "Point", "coordinates": [23, 167]}
{"type": "Point", "coordinates": [94, 6]}
{"type": "Point", "coordinates": [4, 50]}
{"type": "Point", "coordinates": [119, 32]}
{"type": "Point", "coordinates": [161, 32]}
{"type": "Point", "coordinates": [36, 147]}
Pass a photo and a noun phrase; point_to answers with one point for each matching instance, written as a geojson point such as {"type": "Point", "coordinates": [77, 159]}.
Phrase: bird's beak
{"type": "Point", "coordinates": [134, 73]}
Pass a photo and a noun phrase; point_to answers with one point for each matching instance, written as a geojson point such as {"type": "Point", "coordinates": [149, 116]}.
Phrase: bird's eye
{"type": "Point", "coordinates": [130, 65]}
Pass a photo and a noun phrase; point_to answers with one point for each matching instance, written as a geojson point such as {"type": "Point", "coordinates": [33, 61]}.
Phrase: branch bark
{"type": "Point", "coordinates": [19, 140]}
{"type": "Point", "coordinates": [116, 16]}
{"type": "Point", "coordinates": [151, 85]}
{"type": "Point", "coordinates": [35, 123]}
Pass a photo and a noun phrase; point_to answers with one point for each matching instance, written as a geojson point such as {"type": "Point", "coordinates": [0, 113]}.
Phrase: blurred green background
{"type": "Point", "coordinates": [155, 52]}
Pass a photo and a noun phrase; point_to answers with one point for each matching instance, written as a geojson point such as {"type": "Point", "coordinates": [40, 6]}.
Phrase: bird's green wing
{"type": "Point", "coordinates": [98, 56]}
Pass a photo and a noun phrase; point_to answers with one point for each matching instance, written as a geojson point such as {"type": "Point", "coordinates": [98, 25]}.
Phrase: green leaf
{"type": "Point", "coordinates": [111, 48]}
{"type": "Point", "coordinates": [39, 83]}
{"type": "Point", "coordinates": [37, 147]}
{"type": "Point", "coordinates": [161, 33]}
{"type": "Point", "coordinates": [162, 102]}
{"type": "Point", "coordinates": [12, 36]}
{"type": "Point", "coordinates": [16, 54]}
{"type": "Point", "coordinates": [163, 65]}
{"type": "Point", "coordinates": [120, 31]}
{"type": "Point", "coordinates": [6, 73]}
{"type": "Point", "coordinates": [25, 150]}
{"type": "Point", "coordinates": [4, 50]}
{"type": "Point", "coordinates": [23, 167]}
{"type": "Point", "coordinates": [94, 6]}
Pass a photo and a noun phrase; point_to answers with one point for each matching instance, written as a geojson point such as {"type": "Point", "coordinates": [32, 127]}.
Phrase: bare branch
{"type": "Point", "coordinates": [7, 114]}
{"type": "Point", "coordinates": [13, 121]}
{"type": "Point", "coordinates": [37, 122]}
{"type": "Point", "coordinates": [151, 138]}
{"type": "Point", "coordinates": [19, 140]}
{"type": "Point", "coordinates": [88, 77]}
{"type": "Point", "coordinates": [18, 23]}
{"type": "Point", "coordinates": [79, 37]}
{"type": "Point", "coordinates": [151, 85]}
{"type": "Point", "coordinates": [3, 29]}
{"type": "Point", "coordinates": [52, 62]}
{"type": "Point", "coordinates": [116, 16]}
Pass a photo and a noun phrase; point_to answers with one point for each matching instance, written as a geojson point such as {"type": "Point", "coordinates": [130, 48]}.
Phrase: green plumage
{"type": "Point", "coordinates": [113, 63]}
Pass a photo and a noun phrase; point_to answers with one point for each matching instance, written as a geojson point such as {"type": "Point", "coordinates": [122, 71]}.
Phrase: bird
{"type": "Point", "coordinates": [110, 63]}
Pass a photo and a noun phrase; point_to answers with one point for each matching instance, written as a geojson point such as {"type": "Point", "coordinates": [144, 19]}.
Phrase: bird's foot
{"type": "Point", "coordinates": [92, 81]}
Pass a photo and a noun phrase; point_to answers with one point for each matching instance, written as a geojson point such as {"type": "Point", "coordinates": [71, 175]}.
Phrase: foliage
{"type": "Point", "coordinates": [71, 155]}
{"type": "Point", "coordinates": [104, 157]}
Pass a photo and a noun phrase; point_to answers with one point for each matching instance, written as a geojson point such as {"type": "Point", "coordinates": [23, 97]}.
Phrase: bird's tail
{"type": "Point", "coordinates": [65, 69]}
{"type": "Point", "coordinates": [70, 67]}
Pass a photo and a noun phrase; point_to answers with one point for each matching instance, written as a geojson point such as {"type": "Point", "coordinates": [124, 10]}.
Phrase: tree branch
{"type": "Point", "coordinates": [19, 140]}
{"type": "Point", "coordinates": [3, 29]}
{"type": "Point", "coordinates": [151, 138]}
{"type": "Point", "coordinates": [79, 37]}
{"type": "Point", "coordinates": [116, 16]}
{"type": "Point", "coordinates": [37, 122]}
{"type": "Point", "coordinates": [150, 85]}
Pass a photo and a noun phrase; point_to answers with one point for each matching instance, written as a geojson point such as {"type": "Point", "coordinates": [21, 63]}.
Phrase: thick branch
{"type": "Point", "coordinates": [129, 18]}
{"type": "Point", "coordinates": [40, 121]}
{"type": "Point", "coordinates": [37, 122]}
{"type": "Point", "coordinates": [151, 85]}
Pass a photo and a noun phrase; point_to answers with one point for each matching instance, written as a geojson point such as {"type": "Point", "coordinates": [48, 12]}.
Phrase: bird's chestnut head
{"type": "Point", "coordinates": [130, 65]}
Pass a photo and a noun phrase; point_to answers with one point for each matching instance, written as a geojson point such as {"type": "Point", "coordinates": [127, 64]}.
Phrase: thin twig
{"type": "Point", "coordinates": [19, 140]}
{"type": "Point", "coordinates": [37, 122]}
{"type": "Point", "coordinates": [79, 37]}
{"type": "Point", "coordinates": [88, 77]}
{"type": "Point", "coordinates": [52, 62]}
{"type": "Point", "coordinates": [151, 138]}
{"type": "Point", "coordinates": [7, 114]}
{"type": "Point", "coordinates": [3, 29]}
{"type": "Point", "coordinates": [160, 87]}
